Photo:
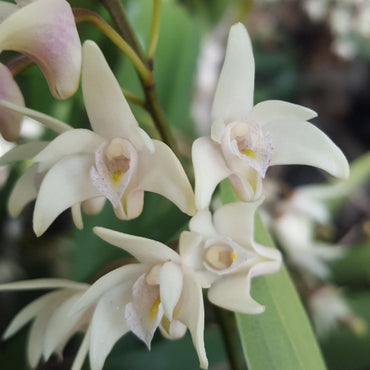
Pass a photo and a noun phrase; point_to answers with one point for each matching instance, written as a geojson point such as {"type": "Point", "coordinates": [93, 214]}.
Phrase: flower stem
{"type": "Point", "coordinates": [118, 15]}
{"type": "Point", "coordinates": [133, 98]}
{"type": "Point", "coordinates": [85, 15]}
{"type": "Point", "coordinates": [226, 320]}
{"type": "Point", "coordinates": [154, 31]}
{"type": "Point", "coordinates": [152, 103]}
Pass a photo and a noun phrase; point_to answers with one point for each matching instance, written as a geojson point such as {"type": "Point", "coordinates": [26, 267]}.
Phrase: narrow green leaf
{"type": "Point", "coordinates": [281, 337]}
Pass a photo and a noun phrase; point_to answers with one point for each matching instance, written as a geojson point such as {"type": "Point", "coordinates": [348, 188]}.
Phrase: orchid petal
{"type": "Point", "coordinates": [270, 263]}
{"type": "Point", "coordinates": [10, 121]}
{"type": "Point", "coordinates": [48, 121]}
{"type": "Point", "coordinates": [209, 169]}
{"type": "Point", "coordinates": [42, 284]}
{"type": "Point", "coordinates": [125, 275]}
{"type": "Point", "coordinates": [23, 151]}
{"type": "Point", "coordinates": [233, 293]}
{"type": "Point", "coordinates": [191, 249]}
{"type": "Point", "coordinates": [143, 249]}
{"type": "Point", "coordinates": [234, 93]}
{"type": "Point", "coordinates": [39, 326]}
{"type": "Point", "coordinates": [82, 352]}
{"type": "Point", "coordinates": [272, 110]}
{"type": "Point", "coordinates": [303, 143]}
{"type": "Point", "coordinates": [77, 216]}
{"type": "Point", "coordinates": [46, 32]}
{"type": "Point", "coordinates": [145, 312]}
{"type": "Point", "coordinates": [191, 314]}
{"type": "Point", "coordinates": [62, 326]}
{"type": "Point", "coordinates": [28, 313]}
{"type": "Point", "coordinates": [202, 223]}
{"type": "Point", "coordinates": [236, 220]}
{"type": "Point", "coordinates": [112, 117]}
{"type": "Point", "coordinates": [171, 282]}
{"type": "Point", "coordinates": [71, 142]}
{"type": "Point", "coordinates": [75, 169]}
{"type": "Point", "coordinates": [6, 9]}
{"type": "Point", "coordinates": [23, 192]}
{"type": "Point", "coordinates": [131, 205]}
{"type": "Point", "coordinates": [108, 325]}
{"type": "Point", "coordinates": [161, 172]}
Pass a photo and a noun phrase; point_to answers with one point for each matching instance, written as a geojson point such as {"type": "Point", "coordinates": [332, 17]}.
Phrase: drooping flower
{"type": "Point", "coordinates": [222, 251]}
{"type": "Point", "coordinates": [53, 325]}
{"type": "Point", "coordinates": [117, 160]}
{"type": "Point", "coordinates": [10, 121]}
{"type": "Point", "coordinates": [159, 291]}
{"type": "Point", "coordinates": [44, 31]}
{"type": "Point", "coordinates": [246, 140]}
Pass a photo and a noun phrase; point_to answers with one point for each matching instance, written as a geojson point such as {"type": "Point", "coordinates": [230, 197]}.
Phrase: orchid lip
{"type": "Point", "coordinates": [247, 142]}
{"type": "Point", "coordinates": [115, 166]}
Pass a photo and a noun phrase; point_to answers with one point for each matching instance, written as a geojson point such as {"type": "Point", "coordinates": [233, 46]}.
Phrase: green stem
{"type": "Point", "coordinates": [118, 15]}
{"type": "Point", "coordinates": [133, 98]}
{"type": "Point", "coordinates": [226, 321]}
{"type": "Point", "coordinates": [154, 31]}
{"type": "Point", "coordinates": [152, 103]}
{"type": "Point", "coordinates": [85, 15]}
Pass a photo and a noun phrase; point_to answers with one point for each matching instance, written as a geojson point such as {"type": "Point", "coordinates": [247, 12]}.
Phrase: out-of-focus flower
{"type": "Point", "coordinates": [117, 160]}
{"type": "Point", "coordinates": [44, 31]}
{"type": "Point", "coordinates": [53, 325]}
{"type": "Point", "coordinates": [329, 309]}
{"type": "Point", "coordinates": [225, 256]}
{"type": "Point", "coordinates": [295, 228]}
{"type": "Point", "coordinates": [159, 291]}
{"type": "Point", "coordinates": [10, 121]}
{"type": "Point", "coordinates": [246, 140]}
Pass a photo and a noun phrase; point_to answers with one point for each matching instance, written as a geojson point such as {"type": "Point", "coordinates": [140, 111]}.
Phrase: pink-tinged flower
{"type": "Point", "coordinates": [117, 161]}
{"type": "Point", "coordinates": [222, 251]}
{"type": "Point", "coordinates": [159, 291]}
{"type": "Point", "coordinates": [53, 325]}
{"type": "Point", "coordinates": [44, 31]}
{"type": "Point", "coordinates": [245, 139]}
{"type": "Point", "coordinates": [10, 121]}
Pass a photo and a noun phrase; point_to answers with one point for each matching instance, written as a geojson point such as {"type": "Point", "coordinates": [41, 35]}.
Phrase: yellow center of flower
{"type": "Point", "coordinates": [116, 176]}
{"type": "Point", "coordinates": [154, 309]}
{"type": "Point", "coordinates": [249, 153]}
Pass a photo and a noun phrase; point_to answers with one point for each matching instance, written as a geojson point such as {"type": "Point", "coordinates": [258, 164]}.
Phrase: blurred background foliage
{"type": "Point", "coordinates": [297, 61]}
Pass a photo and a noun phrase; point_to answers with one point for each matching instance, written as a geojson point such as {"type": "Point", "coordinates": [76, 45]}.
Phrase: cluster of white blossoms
{"type": "Point", "coordinates": [117, 161]}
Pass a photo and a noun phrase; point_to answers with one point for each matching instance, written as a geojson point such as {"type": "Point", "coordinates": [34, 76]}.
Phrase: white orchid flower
{"type": "Point", "coordinates": [329, 309]}
{"type": "Point", "coordinates": [117, 160]}
{"type": "Point", "coordinates": [44, 31]}
{"type": "Point", "coordinates": [246, 140]}
{"type": "Point", "coordinates": [222, 250]}
{"type": "Point", "coordinates": [295, 224]}
{"type": "Point", "coordinates": [159, 291]}
{"type": "Point", "coordinates": [10, 121]}
{"type": "Point", "coordinates": [53, 325]}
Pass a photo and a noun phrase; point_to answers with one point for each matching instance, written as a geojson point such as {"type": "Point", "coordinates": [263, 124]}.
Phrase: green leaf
{"type": "Point", "coordinates": [281, 337]}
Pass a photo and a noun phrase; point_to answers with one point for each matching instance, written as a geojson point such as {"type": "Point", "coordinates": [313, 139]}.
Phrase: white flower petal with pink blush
{"type": "Point", "coordinates": [10, 121]}
{"type": "Point", "coordinates": [246, 140]}
{"type": "Point", "coordinates": [222, 251]}
{"type": "Point", "coordinates": [45, 31]}
{"type": "Point", "coordinates": [159, 291]}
